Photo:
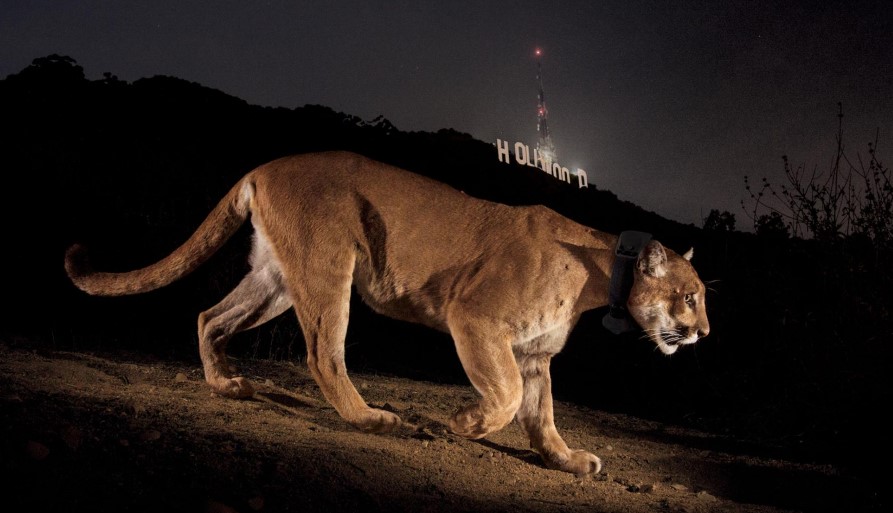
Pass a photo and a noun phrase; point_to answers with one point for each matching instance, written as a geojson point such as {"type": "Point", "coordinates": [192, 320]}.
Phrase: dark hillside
{"type": "Point", "coordinates": [797, 362]}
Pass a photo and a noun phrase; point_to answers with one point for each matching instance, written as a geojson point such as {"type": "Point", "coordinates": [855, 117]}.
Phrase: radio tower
{"type": "Point", "coordinates": [544, 147]}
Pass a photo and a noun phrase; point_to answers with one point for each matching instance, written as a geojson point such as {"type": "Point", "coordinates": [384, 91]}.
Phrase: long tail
{"type": "Point", "coordinates": [226, 218]}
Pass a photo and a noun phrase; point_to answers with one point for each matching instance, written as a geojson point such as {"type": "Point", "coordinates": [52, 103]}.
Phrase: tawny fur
{"type": "Point", "coordinates": [508, 283]}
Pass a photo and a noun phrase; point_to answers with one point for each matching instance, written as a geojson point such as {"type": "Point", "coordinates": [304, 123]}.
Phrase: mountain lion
{"type": "Point", "coordinates": [507, 283]}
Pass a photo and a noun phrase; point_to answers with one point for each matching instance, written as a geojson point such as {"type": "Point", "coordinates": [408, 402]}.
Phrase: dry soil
{"type": "Point", "coordinates": [125, 432]}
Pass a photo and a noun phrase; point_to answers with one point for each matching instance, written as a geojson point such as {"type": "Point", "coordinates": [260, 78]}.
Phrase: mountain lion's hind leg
{"type": "Point", "coordinates": [536, 417]}
{"type": "Point", "coordinates": [322, 303]}
{"type": "Point", "coordinates": [258, 298]}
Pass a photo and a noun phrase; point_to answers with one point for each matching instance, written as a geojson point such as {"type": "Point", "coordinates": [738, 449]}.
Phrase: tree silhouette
{"type": "Point", "coordinates": [720, 221]}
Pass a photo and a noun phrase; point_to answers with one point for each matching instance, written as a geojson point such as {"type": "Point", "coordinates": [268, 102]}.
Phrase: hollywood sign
{"type": "Point", "coordinates": [541, 162]}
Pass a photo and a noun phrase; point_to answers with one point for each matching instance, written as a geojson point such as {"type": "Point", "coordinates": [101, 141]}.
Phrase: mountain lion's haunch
{"type": "Point", "coordinates": [508, 283]}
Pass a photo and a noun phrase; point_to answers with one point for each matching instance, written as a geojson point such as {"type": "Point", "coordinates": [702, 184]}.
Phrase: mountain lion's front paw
{"type": "Point", "coordinates": [469, 423]}
{"type": "Point", "coordinates": [234, 388]}
{"type": "Point", "coordinates": [373, 420]}
{"type": "Point", "coordinates": [580, 463]}
{"type": "Point", "coordinates": [473, 423]}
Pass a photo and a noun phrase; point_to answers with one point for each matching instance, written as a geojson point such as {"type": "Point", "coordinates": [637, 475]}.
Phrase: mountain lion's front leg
{"type": "Point", "coordinates": [491, 368]}
{"type": "Point", "coordinates": [535, 415]}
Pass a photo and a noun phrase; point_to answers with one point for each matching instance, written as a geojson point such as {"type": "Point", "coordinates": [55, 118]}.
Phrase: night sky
{"type": "Point", "coordinates": [667, 104]}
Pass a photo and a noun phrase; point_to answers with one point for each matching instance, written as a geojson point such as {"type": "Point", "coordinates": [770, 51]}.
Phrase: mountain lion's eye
{"type": "Point", "coordinates": [689, 299]}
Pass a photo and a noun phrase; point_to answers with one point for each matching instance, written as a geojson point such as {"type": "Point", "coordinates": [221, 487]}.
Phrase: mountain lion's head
{"type": "Point", "coordinates": [667, 298]}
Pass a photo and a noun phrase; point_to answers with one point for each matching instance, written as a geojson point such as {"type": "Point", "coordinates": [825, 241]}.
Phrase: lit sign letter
{"type": "Point", "coordinates": [539, 161]}
{"type": "Point", "coordinates": [522, 154]}
{"type": "Point", "coordinates": [502, 147]}
{"type": "Point", "coordinates": [564, 174]}
{"type": "Point", "coordinates": [582, 179]}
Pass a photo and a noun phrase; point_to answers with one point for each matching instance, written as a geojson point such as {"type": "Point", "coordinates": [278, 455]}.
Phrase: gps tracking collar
{"type": "Point", "coordinates": [629, 245]}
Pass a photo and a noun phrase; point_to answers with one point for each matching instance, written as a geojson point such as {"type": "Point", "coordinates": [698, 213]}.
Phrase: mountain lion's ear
{"type": "Point", "coordinates": [688, 254]}
{"type": "Point", "coordinates": [653, 260]}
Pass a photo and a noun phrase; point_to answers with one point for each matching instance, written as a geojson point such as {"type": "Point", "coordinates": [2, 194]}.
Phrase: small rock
{"type": "Point", "coordinates": [609, 447]}
{"type": "Point", "coordinates": [269, 383]}
{"type": "Point", "coordinates": [137, 409]}
{"type": "Point", "coordinates": [424, 434]}
{"type": "Point", "coordinates": [425, 443]}
{"type": "Point", "coordinates": [181, 378]}
{"type": "Point", "coordinates": [13, 398]}
{"type": "Point", "coordinates": [72, 437]}
{"type": "Point", "coordinates": [218, 507]}
{"type": "Point", "coordinates": [36, 450]}
{"type": "Point", "coordinates": [649, 488]}
{"type": "Point", "coordinates": [364, 386]}
{"type": "Point", "coordinates": [679, 487]}
{"type": "Point", "coordinates": [150, 435]}
{"type": "Point", "coordinates": [703, 495]}
{"type": "Point", "coordinates": [281, 469]}
{"type": "Point", "coordinates": [633, 488]}
{"type": "Point", "coordinates": [256, 503]}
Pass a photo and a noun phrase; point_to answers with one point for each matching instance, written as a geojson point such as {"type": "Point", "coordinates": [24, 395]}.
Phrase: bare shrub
{"type": "Point", "coordinates": [853, 198]}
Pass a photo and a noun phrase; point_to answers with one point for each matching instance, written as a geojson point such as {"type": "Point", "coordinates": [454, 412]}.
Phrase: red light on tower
{"type": "Point", "coordinates": [544, 147]}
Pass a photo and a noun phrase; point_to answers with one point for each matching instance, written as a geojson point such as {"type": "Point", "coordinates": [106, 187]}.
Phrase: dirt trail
{"type": "Point", "coordinates": [123, 432]}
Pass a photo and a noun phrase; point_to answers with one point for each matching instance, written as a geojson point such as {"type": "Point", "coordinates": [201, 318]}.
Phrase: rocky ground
{"type": "Point", "coordinates": [124, 432]}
